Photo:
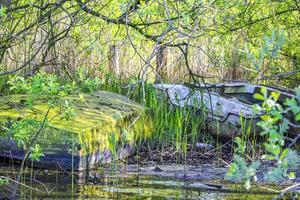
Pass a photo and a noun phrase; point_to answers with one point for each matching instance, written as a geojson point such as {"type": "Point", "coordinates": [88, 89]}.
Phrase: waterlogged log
{"type": "Point", "coordinates": [104, 124]}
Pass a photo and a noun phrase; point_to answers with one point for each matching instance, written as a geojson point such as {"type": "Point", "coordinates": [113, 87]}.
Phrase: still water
{"type": "Point", "coordinates": [124, 186]}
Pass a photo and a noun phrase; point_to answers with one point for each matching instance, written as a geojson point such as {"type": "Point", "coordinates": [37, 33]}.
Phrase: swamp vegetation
{"type": "Point", "coordinates": [132, 99]}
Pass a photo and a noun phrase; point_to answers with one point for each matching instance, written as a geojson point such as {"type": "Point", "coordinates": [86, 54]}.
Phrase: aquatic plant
{"type": "Point", "coordinates": [240, 170]}
{"type": "Point", "coordinates": [173, 126]}
{"type": "Point", "coordinates": [273, 125]}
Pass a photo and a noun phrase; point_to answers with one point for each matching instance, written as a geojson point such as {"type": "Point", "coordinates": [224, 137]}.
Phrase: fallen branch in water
{"type": "Point", "coordinates": [24, 185]}
{"type": "Point", "coordinates": [288, 189]}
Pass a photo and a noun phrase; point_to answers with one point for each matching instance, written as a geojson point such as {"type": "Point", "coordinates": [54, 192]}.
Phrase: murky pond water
{"type": "Point", "coordinates": [145, 188]}
{"type": "Point", "coordinates": [125, 186]}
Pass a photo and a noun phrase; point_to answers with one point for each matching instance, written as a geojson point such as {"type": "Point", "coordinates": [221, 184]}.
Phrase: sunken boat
{"type": "Point", "coordinates": [104, 127]}
{"type": "Point", "coordinates": [227, 105]}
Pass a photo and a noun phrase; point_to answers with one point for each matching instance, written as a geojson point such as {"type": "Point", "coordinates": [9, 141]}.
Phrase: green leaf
{"type": "Point", "coordinates": [264, 91]}
{"type": "Point", "coordinates": [36, 153]}
{"type": "Point", "coordinates": [259, 96]}
{"type": "Point", "coordinates": [292, 103]}
{"type": "Point", "coordinates": [238, 140]}
{"type": "Point", "coordinates": [266, 118]}
{"type": "Point", "coordinates": [275, 95]}
{"type": "Point", "coordinates": [2, 11]}
{"type": "Point", "coordinates": [4, 181]}
{"type": "Point", "coordinates": [284, 153]}
{"type": "Point", "coordinates": [292, 175]}
{"type": "Point", "coordinates": [297, 118]}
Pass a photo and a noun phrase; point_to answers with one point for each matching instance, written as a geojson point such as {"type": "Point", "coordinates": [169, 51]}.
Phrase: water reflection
{"type": "Point", "coordinates": [119, 186]}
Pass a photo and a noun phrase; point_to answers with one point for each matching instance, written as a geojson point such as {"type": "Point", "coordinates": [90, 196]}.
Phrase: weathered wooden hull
{"type": "Point", "coordinates": [82, 142]}
{"type": "Point", "coordinates": [65, 161]}
{"type": "Point", "coordinates": [226, 104]}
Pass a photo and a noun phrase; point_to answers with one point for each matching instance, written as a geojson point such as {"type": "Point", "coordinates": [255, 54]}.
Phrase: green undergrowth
{"type": "Point", "coordinates": [88, 119]}
{"type": "Point", "coordinates": [172, 126]}
{"type": "Point", "coordinates": [92, 121]}
{"type": "Point", "coordinates": [274, 125]}
{"type": "Point", "coordinates": [95, 119]}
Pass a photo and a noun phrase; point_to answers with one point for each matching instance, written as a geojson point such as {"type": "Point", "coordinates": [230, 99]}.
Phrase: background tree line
{"type": "Point", "coordinates": [172, 41]}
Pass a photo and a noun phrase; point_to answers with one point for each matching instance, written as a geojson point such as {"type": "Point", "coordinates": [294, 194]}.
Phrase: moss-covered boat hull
{"type": "Point", "coordinates": [104, 125]}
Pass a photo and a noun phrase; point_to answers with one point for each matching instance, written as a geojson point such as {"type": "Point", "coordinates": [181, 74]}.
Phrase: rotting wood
{"type": "Point", "coordinates": [96, 118]}
{"type": "Point", "coordinates": [225, 103]}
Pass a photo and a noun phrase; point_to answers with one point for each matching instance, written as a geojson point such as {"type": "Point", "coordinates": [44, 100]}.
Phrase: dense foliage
{"type": "Point", "coordinates": [274, 126]}
{"type": "Point", "coordinates": [52, 48]}
{"type": "Point", "coordinates": [61, 36]}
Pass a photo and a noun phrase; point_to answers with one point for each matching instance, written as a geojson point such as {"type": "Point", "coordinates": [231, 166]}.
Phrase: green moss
{"type": "Point", "coordinates": [97, 116]}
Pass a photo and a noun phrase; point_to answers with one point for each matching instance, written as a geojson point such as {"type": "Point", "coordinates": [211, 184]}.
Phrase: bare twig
{"type": "Point", "coordinates": [32, 143]}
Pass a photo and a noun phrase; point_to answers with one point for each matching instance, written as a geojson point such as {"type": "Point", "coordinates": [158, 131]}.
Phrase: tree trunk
{"type": "Point", "coordinates": [113, 58]}
{"type": "Point", "coordinates": [161, 63]}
